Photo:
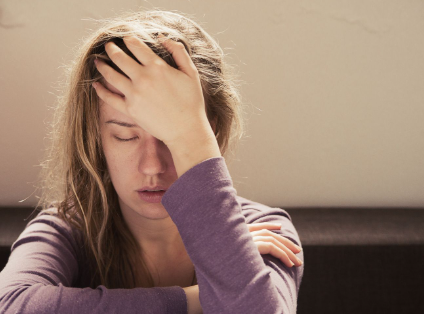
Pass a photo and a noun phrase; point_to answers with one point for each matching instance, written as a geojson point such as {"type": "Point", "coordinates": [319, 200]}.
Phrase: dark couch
{"type": "Point", "coordinates": [357, 260]}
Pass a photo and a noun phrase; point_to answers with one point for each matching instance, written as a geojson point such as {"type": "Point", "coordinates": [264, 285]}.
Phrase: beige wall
{"type": "Point", "coordinates": [334, 94]}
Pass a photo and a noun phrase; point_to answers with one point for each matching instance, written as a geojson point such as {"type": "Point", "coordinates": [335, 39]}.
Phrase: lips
{"type": "Point", "coordinates": [151, 197]}
{"type": "Point", "coordinates": [152, 188]}
{"type": "Point", "coordinates": [153, 192]}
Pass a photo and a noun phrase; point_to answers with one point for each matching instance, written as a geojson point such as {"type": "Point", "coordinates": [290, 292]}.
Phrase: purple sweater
{"type": "Point", "coordinates": [46, 273]}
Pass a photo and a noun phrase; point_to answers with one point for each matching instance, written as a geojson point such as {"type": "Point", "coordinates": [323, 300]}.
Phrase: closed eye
{"type": "Point", "coordinates": [125, 139]}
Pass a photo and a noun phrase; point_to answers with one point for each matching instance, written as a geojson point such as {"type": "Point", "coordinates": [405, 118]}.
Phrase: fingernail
{"type": "Point", "coordinates": [95, 61]}
{"type": "Point", "coordinates": [94, 85]}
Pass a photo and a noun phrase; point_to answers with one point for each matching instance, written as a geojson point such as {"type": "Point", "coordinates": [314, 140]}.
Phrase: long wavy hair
{"type": "Point", "coordinates": [74, 176]}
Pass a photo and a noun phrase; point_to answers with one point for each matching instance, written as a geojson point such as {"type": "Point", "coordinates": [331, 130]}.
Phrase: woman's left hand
{"type": "Point", "coordinates": [166, 102]}
{"type": "Point", "coordinates": [272, 243]}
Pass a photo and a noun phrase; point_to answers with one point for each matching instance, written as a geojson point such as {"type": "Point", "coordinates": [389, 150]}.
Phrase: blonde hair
{"type": "Point", "coordinates": [75, 171]}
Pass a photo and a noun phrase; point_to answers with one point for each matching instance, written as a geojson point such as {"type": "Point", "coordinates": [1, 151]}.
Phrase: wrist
{"type": "Point", "coordinates": [193, 302]}
{"type": "Point", "coordinates": [198, 146]}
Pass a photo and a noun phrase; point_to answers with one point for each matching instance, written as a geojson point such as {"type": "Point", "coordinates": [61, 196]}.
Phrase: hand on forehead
{"type": "Point", "coordinates": [108, 112]}
{"type": "Point", "coordinates": [111, 87]}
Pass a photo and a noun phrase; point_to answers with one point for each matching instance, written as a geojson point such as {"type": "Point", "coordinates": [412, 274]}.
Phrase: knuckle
{"type": "Point", "coordinates": [130, 39]}
{"type": "Point", "coordinates": [159, 63]}
{"type": "Point", "coordinates": [150, 59]}
{"type": "Point", "coordinates": [284, 255]}
{"type": "Point", "coordinates": [270, 239]}
{"type": "Point", "coordinates": [179, 45]}
{"type": "Point", "coordinates": [257, 232]}
{"type": "Point", "coordinates": [268, 232]}
{"type": "Point", "coordinates": [268, 246]}
{"type": "Point", "coordinates": [274, 240]}
{"type": "Point", "coordinates": [116, 55]}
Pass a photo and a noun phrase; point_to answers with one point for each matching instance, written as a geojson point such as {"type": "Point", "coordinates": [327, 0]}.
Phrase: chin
{"type": "Point", "coordinates": [152, 211]}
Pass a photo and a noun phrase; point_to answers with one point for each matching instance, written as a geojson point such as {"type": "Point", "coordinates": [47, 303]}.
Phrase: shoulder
{"type": "Point", "coordinates": [253, 211]}
{"type": "Point", "coordinates": [49, 227]}
{"type": "Point", "coordinates": [51, 217]}
{"type": "Point", "coordinates": [49, 251]}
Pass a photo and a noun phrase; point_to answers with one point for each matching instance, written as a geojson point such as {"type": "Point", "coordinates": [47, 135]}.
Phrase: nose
{"type": "Point", "coordinates": [152, 157]}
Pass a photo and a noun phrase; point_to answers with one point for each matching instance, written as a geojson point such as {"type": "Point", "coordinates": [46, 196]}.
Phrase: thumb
{"type": "Point", "coordinates": [180, 55]}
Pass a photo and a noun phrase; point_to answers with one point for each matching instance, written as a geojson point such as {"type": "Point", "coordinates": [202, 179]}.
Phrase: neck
{"type": "Point", "coordinates": [158, 238]}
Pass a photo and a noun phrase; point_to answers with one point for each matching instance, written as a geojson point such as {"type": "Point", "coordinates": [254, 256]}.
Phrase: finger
{"type": "Point", "coordinates": [110, 98]}
{"type": "Point", "coordinates": [287, 242]}
{"type": "Point", "coordinates": [180, 55]}
{"type": "Point", "coordinates": [263, 225]}
{"type": "Point", "coordinates": [278, 250]}
{"type": "Point", "coordinates": [127, 64]}
{"type": "Point", "coordinates": [269, 248]}
{"type": "Point", "coordinates": [141, 51]}
{"type": "Point", "coordinates": [114, 78]}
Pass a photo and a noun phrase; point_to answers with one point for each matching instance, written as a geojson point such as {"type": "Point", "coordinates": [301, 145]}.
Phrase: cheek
{"type": "Point", "coordinates": [119, 171]}
{"type": "Point", "coordinates": [118, 162]}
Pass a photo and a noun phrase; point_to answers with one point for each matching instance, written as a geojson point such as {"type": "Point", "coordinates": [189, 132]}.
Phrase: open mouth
{"type": "Point", "coordinates": [151, 196]}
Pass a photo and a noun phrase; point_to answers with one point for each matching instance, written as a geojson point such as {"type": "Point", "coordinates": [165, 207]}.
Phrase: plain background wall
{"type": "Point", "coordinates": [333, 93]}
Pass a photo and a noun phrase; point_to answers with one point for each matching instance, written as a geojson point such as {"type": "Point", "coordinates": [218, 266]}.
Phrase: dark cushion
{"type": "Point", "coordinates": [361, 260]}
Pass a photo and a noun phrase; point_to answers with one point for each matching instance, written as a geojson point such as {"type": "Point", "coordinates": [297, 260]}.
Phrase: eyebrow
{"type": "Point", "coordinates": [127, 125]}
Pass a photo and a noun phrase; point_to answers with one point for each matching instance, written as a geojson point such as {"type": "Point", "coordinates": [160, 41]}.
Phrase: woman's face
{"type": "Point", "coordinates": [142, 161]}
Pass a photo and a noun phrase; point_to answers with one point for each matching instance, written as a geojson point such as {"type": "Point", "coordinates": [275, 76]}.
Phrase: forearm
{"type": "Point", "coordinates": [200, 145]}
{"type": "Point", "coordinates": [193, 302]}
{"type": "Point", "coordinates": [204, 205]}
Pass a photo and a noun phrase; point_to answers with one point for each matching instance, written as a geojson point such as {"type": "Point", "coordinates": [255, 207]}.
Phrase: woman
{"type": "Point", "coordinates": [147, 208]}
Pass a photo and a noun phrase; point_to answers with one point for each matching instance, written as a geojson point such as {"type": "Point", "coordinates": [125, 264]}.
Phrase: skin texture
{"type": "Point", "coordinates": [147, 161]}
{"type": "Point", "coordinates": [167, 103]}
{"type": "Point", "coordinates": [143, 161]}
{"type": "Point", "coordinates": [172, 135]}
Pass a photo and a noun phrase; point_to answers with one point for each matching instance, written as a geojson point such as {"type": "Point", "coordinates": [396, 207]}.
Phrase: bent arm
{"type": "Point", "coordinates": [232, 275]}
{"type": "Point", "coordinates": [43, 267]}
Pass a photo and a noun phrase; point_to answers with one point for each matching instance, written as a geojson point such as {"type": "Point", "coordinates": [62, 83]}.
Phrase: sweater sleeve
{"type": "Point", "coordinates": [43, 267]}
{"type": "Point", "coordinates": [232, 275]}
